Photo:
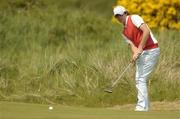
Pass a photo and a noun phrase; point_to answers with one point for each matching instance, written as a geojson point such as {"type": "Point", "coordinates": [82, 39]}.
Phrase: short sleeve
{"type": "Point", "coordinates": [137, 20]}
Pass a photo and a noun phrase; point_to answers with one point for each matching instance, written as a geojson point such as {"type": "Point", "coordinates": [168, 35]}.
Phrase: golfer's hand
{"type": "Point", "coordinates": [136, 54]}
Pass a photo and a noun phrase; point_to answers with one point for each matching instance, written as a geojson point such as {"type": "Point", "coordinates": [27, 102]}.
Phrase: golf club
{"type": "Point", "coordinates": [109, 89]}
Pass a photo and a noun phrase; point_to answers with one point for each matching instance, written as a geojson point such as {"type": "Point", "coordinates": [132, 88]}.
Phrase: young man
{"type": "Point", "coordinates": [145, 51]}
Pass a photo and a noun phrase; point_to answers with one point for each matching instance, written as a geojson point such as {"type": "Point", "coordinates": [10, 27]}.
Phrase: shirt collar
{"type": "Point", "coordinates": [126, 21]}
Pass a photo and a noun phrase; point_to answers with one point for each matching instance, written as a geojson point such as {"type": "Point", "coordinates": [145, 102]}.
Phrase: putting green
{"type": "Point", "coordinates": [11, 110]}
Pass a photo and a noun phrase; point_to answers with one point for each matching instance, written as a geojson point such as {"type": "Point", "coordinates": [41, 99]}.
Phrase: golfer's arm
{"type": "Point", "coordinates": [146, 33]}
{"type": "Point", "coordinates": [133, 47]}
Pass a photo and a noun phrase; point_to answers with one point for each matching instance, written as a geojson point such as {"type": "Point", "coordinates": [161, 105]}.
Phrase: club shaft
{"type": "Point", "coordinates": [116, 81]}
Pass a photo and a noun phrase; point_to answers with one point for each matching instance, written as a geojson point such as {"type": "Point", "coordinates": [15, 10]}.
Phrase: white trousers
{"type": "Point", "coordinates": [144, 66]}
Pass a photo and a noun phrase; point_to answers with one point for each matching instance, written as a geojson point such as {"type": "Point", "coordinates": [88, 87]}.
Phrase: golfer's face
{"type": "Point", "coordinates": [120, 18]}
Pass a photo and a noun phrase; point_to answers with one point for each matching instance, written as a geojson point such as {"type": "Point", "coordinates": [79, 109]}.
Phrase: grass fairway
{"type": "Point", "coordinates": [36, 111]}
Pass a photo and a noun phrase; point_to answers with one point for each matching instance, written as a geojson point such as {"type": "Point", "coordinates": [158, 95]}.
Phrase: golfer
{"type": "Point", "coordinates": [145, 51]}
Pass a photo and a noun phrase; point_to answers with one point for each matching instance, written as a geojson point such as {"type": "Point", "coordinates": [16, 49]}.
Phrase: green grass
{"type": "Point", "coordinates": [36, 111]}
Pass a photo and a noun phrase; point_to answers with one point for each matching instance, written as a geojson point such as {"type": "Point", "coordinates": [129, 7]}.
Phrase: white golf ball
{"type": "Point", "coordinates": [50, 108]}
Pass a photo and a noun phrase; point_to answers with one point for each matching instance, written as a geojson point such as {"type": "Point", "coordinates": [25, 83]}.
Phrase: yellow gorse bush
{"type": "Point", "coordinates": [157, 13]}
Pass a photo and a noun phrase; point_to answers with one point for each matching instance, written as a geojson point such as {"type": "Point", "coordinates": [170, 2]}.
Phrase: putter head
{"type": "Point", "coordinates": [108, 90]}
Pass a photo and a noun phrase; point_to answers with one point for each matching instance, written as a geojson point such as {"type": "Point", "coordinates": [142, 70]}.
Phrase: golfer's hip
{"type": "Point", "coordinates": [146, 62]}
{"type": "Point", "coordinates": [152, 52]}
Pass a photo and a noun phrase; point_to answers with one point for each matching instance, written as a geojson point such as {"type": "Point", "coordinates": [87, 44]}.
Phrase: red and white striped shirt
{"type": "Point", "coordinates": [133, 34]}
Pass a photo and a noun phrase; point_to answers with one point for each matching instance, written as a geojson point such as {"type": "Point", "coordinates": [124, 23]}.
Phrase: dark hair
{"type": "Point", "coordinates": [126, 12]}
{"type": "Point", "coordinates": [117, 15]}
